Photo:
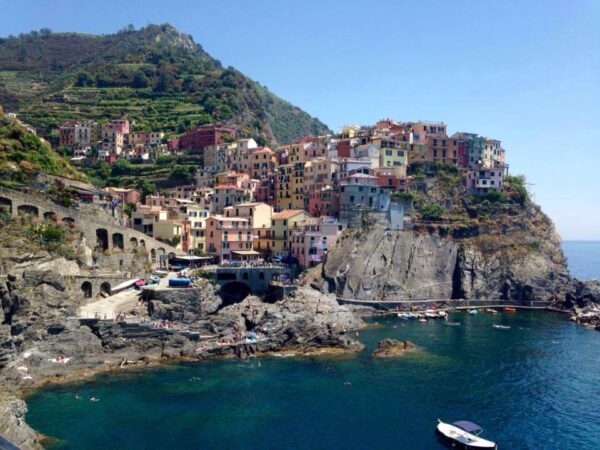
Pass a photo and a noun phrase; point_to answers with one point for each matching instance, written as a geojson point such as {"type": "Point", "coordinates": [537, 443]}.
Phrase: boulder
{"type": "Point", "coordinates": [392, 347]}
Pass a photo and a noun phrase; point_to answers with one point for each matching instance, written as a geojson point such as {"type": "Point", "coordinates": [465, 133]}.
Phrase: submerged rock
{"type": "Point", "coordinates": [392, 347]}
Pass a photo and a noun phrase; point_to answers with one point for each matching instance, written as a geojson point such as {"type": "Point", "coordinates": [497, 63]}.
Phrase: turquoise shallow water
{"type": "Point", "coordinates": [535, 386]}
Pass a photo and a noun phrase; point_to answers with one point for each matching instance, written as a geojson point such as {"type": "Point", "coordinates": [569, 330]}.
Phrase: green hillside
{"type": "Point", "coordinates": [156, 76]}
{"type": "Point", "coordinates": [23, 154]}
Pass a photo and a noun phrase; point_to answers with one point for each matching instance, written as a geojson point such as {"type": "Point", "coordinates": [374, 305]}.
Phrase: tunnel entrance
{"type": "Point", "coordinates": [86, 288]}
{"type": "Point", "coordinates": [234, 292]}
{"type": "Point", "coordinates": [102, 239]}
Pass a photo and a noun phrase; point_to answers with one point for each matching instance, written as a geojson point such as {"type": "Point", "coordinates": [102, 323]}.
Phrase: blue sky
{"type": "Point", "coordinates": [524, 72]}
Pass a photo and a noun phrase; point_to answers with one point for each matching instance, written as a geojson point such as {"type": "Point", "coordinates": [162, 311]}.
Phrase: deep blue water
{"type": "Point", "coordinates": [583, 258]}
{"type": "Point", "coordinates": [535, 386]}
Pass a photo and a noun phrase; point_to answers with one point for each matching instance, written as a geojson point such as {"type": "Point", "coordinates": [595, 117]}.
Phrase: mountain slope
{"type": "Point", "coordinates": [158, 77]}
{"type": "Point", "coordinates": [23, 153]}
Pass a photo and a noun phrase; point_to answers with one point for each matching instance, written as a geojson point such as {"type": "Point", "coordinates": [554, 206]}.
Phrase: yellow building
{"type": "Point", "coordinates": [393, 156]}
{"type": "Point", "coordinates": [197, 217]}
{"type": "Point", "coordinates": [284, 187]}
{"type": "Point", "coordinates": [297, 186]}
{"type": "Point", "coordinates": [284, 223]}
{"type": "Point", "coordinates": [172, 232]}
{"type": "Point", "coordinates": [260, 217]}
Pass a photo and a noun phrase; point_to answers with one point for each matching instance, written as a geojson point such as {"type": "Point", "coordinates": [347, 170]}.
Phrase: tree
{"type": "Point", "coordinates": [166, 83]}
{"type": "Point", "coordinates": [432, 211]}
{"type": "Point", "coordinates": [182, 174]}
{"type": "Point", "coordinates": [140, 80]}
{"type": "Point", "coordinates": [104, 170]}
{"type": "Point", "coordinates": [84, 79]}
{"type": "Point", "coordinates": [146, 187]}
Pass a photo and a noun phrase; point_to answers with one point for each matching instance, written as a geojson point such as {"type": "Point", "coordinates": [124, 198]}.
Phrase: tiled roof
{"type": "Point", "coordinates": [287, 213]}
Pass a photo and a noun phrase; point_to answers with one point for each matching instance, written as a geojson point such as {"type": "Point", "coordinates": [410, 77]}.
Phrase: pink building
{"type": "Point", "coordinates": [125, 195]}
{"type": "Point", "coordinates": [323, 202]}
{"type": "Point", "coordinates": [229, 238]}
{"type": "Point", "coordinates": [484, 180]}
{"type": "Point", "coordinates": [120, 126]}
{"type": "Point", "coordinates": [314, 239]}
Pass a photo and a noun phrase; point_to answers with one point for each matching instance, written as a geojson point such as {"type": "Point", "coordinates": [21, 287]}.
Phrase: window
{"type": "Point", "coordinates": [388, 153]}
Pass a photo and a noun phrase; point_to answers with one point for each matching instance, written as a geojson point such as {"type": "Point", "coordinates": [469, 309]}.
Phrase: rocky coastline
{"type": "Point", "coordinates": [42, 340]}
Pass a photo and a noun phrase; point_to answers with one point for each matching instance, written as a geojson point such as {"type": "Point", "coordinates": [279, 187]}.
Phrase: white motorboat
{"type": "Point", "coordinates": [463, 435]}
{"type": "Point", "coordinates": [407, 316]}
{"type": "Point", "coordinates": [501, 327]}
{"type": "Point", "coordinates": [473, 312]}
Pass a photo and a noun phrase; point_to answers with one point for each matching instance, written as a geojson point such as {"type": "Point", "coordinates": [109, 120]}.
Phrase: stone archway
{"type": "Point", "coordinates": [69, 221]}
{"type": "Point", "coordinates": [142, 243]}
{"type": "Point", "coordinates": [102, 239]}
{"type": "Point", "coordinates": [105, 287]}
{"type": "Point", "coordinates": [87, 289]}
{"type": "Point", "coordinates": [118, 241]}
{"type": "Point", "coordinates": [234, 292]}
{"type": "Point", "coordinates": [50, 215]}
{"type": "Point", "coordinates": [134, 242]}
{"type": "Point", "coordinates": [153, 255]}
{"type": "Point", "coordinates": [6, 204]}
{"type": "Point", "coordinates": [28, 210]}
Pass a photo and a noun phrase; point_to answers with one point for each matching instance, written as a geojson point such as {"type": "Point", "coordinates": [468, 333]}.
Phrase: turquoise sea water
{"type": "Point", "coordinates": [535, 386]}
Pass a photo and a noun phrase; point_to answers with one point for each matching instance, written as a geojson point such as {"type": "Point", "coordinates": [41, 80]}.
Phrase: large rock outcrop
{"type": "Point", "coordinates": [519, 259]}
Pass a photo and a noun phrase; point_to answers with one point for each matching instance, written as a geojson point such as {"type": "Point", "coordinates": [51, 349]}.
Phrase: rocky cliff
{"type": "Point", "coordinates": [504, 249]}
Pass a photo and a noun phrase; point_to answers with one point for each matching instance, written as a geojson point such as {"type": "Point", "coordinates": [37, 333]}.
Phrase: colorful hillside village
{"type": "Point", "coordinates": [288, 203]}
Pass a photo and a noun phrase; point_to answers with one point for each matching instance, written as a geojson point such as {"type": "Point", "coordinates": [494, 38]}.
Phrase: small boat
{"type": "Point", "coordinates": [473, 312]}
{"type": "Point", "coordinates": [491, 310]}
{"type": "Point", "coordinates": [139, 283]}
{"type": "Point", "coordinates": [407, 316]}
{"type": "Point", "coordinates": [180, 282]}
{"type": "Point", "coordinates": [501, 327]}
{"type": "Point", "coordinates": [154, 279]}
{"type": "Point", "coordinates": [463, 435]}
{"type": "Point", "coordinates": [422, 319]}
{"type": "Point", "coordinates": [442, 314]}
{"type": "Point", "coordinates": [452, 324]}
{"type": "Point", "coordinates": [510, 309]}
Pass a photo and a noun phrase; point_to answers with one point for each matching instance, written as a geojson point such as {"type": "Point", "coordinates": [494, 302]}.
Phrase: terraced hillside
{"type": "Point", "coordinates": [157, 77]}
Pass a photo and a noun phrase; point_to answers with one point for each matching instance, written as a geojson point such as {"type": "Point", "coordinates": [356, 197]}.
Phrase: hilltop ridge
{"type": "Point", "coordinates": [156, 76]}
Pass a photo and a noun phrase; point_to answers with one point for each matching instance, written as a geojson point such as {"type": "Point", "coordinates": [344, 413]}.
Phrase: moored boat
{"type": "Point", "coordinates": [473, 312]}
{"type": "Point", "coordinates": [491, 310]}
{"type": "Point", "coordinates": [463, 435]}
{"type": "Point", "coordinates": [501, 327]}
{"type": "Point", "coordinates": [510, 309]}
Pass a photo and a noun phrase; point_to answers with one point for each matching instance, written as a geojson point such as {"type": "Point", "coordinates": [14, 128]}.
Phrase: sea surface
{"type": "Point", "coordinates": [583, 258]}
{"type": "Point", "coordinates": [534, 386]}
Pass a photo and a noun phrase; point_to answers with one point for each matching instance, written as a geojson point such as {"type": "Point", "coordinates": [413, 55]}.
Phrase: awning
{"type": "Point", "coordinates": [192, 258]}
{"type": "Point", "coordinates": [245, 252]}
{"type": "Point", "coordinates": [469, 427]}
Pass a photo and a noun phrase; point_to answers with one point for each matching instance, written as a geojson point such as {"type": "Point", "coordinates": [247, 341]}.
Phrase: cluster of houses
{"type": "Point", "coordinates": [292, 201]}
{"type": "Point", "coordinates": [109, 141]}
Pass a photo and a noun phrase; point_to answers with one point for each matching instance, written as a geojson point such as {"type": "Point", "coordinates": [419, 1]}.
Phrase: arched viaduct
{"type": "Point", "coordinates": [99, 232]}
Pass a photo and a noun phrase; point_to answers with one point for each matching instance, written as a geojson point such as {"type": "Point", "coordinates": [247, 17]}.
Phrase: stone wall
{"type": "Point", "coordinates": [98, 230]}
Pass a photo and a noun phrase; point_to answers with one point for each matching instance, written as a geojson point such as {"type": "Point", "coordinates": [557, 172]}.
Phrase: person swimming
{"type": "Point", "coordinates": [94, 399]}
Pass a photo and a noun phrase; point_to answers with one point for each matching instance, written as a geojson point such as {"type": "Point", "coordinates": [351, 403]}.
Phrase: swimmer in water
{"type": "Point", "coordinates": [94, 399]}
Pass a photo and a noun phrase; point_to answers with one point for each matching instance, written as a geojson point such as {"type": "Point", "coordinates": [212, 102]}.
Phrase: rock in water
{"type": "Point", "coordinates": [392, 347]}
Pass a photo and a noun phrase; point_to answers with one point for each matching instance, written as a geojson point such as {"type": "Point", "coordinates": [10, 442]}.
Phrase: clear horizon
{"type": "Point", "coordinates": [527, 74]}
